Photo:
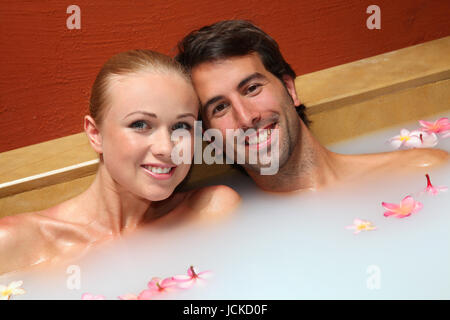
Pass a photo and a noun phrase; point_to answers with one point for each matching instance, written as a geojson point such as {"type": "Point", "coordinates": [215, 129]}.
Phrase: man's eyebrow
{"type": "Point", "coordinates": [211, 101]}
{"type": "Point", "coordinates": [251, 77]}
{"type": "Point", "coordinates": [150, 114]}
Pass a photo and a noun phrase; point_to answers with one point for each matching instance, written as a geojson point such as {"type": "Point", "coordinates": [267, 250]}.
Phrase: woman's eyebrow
{"type": "Point", "coordinates": [150, 114]}
{"type": "Point", "coordinates": [186, 115]}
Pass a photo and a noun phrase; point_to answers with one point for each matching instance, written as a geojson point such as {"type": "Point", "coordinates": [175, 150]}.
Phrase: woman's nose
{"type": "Point", "coordinates": [162, 145]}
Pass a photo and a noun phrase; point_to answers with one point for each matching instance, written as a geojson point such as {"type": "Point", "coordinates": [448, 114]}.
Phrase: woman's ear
{"type": "Point", "coordinates": [289, 83]}
{"type": "Point", "coordinates": [93, 133]}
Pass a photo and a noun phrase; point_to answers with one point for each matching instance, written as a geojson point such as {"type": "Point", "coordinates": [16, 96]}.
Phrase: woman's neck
{"type": "Point", "coordinates": [106, 206]}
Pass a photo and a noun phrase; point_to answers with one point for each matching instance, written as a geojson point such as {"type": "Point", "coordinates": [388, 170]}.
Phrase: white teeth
{"type": "Point", "coordinates": [261, 137]}
{"type": "Point", "coordinates": [158, 169]}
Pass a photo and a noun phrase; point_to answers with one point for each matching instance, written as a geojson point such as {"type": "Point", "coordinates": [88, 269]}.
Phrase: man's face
{"type": "Point", "coordinates": [239, 93]}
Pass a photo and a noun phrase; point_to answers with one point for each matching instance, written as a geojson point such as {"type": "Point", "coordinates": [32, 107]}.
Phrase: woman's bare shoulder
{"type": "Point", "coordinates": [214, 200]}
{"type": "Point", "coordinates": [17, 236]}
{"type": "Point", "coordinates": [202, 205]}
{"type": "Point", "coordinates": [13, 225]}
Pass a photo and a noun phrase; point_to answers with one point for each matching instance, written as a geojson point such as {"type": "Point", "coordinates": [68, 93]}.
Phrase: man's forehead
{"type": "Point", "coordinates": [249, 61]}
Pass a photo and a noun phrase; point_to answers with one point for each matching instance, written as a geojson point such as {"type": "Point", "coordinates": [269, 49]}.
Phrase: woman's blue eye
{"type": "Point", "coordinates": [140, 125]}
{"type": "Point", "coordinates": [182, 125]}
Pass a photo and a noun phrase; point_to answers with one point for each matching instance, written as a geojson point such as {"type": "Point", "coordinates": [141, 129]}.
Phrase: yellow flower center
{"type": "Point", "coordinates": [7, 292]}
{"type": "Point", "coordinates": [362, 226]}
{"type": "Point", "coordinates": [404, 138]}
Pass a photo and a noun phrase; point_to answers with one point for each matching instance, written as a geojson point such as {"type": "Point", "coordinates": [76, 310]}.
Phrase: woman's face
{"type": "Point", "coordinates": [144, 109]}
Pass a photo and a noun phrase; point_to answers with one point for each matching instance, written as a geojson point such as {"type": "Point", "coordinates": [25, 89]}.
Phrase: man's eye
{"type": "Point", "coordinates": [254, 88]}
{"type": "Point", "coordinates": [182, 125]}
{"type": "Point", "coordinates": [139, 125]}
{"type": "Point", "coordinates": [219, 108]}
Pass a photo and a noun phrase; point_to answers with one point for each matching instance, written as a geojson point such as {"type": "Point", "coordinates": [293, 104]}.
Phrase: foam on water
{"type": "Point", "coordinates": [283, 246]}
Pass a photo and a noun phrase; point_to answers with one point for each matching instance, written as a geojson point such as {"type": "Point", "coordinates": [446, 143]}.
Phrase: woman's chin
{"type": "Point", "coordinates": [159, 195]}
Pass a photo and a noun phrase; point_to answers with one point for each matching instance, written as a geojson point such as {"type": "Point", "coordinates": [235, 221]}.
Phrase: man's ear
{"type": "Point", "coordinates": [290, 86]}
{"type": "Point", "coordinates": [93, 133]}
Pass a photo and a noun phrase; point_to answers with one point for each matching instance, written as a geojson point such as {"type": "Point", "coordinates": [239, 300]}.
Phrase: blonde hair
{"type": "Point", "coordinates": [128, 62]}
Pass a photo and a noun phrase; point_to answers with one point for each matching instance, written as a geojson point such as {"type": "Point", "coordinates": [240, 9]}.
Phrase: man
{"type": "Point", "coordinates": [243, 82]}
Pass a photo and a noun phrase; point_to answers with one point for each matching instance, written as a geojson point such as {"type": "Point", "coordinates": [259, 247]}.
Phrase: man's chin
{"type": "Point", "coordinates": [258, 167]}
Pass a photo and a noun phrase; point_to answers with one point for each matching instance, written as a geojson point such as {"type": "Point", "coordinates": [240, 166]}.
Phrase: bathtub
{"type": "Point", "coordinates": [291, 246]}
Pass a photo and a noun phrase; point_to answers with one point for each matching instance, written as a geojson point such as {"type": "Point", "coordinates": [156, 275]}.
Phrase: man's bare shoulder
{"type": "Point", "coordinates": [419, 157]}
{"type": "Point", "coordinates": [365, 165]}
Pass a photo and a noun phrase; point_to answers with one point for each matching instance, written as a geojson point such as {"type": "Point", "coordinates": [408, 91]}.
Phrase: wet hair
{"type": "Point", "coordinates": [233, 38]}
{"type": "Point", "coordinates": [124, 63]}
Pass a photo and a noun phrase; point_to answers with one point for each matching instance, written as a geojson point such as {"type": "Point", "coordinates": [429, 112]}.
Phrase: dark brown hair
{"type": "Point", "coordinates": [233, 38]}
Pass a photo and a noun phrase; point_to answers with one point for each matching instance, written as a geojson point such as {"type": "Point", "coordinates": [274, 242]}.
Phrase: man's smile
{"type": "Point", "coordinates": [261, 138]}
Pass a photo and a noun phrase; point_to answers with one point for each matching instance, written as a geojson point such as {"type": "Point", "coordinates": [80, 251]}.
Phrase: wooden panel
{"type": "Point", "coordinates": [338, 124]}
{"type": "Point", "coordinates": [372, 77]}
{"type": "Point", "coordinates": [46, 156]}
{"type": "Point", "coordinates": [43, 198]}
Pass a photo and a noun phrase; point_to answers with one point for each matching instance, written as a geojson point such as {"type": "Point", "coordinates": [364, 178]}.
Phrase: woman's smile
{"type": "Point", "coordinates": [159, 171]}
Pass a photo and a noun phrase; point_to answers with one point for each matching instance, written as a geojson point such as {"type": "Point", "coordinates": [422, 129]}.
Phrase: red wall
{"type": "Point", "coordinates": [47, 70]}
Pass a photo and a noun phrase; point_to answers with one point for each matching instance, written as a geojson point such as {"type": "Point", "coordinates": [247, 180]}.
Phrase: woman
{"type": "Point", "coordinates": [138, 99]}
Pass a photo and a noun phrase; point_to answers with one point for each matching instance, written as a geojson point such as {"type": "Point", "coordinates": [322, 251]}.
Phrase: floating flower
{"type": "Point", "coordinates": [427, 140]}
{"type": "Point", "coordinates": [407, 207]}
{"type": "Point", "coordinates": [128, 296]}
{"type": "Point", "coordinates": [430, 189]}
{"type": "Point", "coordinates": [445, 135]}
{"type": "Point", "coordinates": [440, 126]}
{"type": "Point", "coordinates": [413, 139]}
{"type": "Point", "coordinates": [90, 296]}
{"type": "Point", "coordinates": [14, 288]}
{"type": "Point", "coordinates": [158, 285]}
{"type": "Point", "coordinates": [185, 281]}
{"type": "Point", "coordinates": [361, 225]}
{"type": "Point", "coordinates": [147, 294]}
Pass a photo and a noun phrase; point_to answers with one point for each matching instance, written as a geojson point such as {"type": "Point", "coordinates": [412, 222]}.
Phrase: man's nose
{"type": "Point", "coordinates": [246, 114]}
{"type": "Point", "coordinates": [161, 145]}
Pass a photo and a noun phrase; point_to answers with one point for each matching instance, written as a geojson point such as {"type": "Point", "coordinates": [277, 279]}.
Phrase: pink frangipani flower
{"type": "Point", "coordinates": [361, 225]}
{"type": "Point", "coordinates": [430, 189]}
{"type": "Point", "coordinates": [147, 294]}
{"type": "Point", "coordinates": [185, 281]}
{"type": "Point", "coordinates": [128, 296]}
{"type": "Point", "coordinates": [158, 285]}
{"type": "Point", "coordinates": [440, 126]}
{"type": "Point", "coordinates": [90, 296]}
{"type": "Point", "coordinates": [413, 139]}
{"type": "Point", "coordinates": [407, 207]}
